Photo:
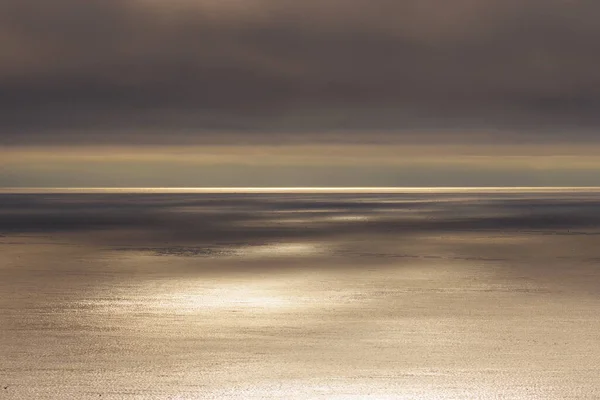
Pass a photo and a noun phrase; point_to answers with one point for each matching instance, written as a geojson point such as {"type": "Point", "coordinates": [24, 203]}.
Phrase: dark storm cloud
{"type": "Point", "coordinates": [190, 66]}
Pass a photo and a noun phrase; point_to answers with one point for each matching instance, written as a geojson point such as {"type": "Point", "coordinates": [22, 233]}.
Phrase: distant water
{"type": "Point", "coordinates": [300, 294]}
{"type": "Point", "coordinates": [305, 190]}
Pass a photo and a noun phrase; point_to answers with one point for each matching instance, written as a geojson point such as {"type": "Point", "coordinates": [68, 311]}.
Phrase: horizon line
{"type": "Point", "coordinates": [316, 189]}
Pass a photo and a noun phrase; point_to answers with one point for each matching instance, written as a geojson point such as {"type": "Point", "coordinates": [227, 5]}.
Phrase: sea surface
{"type": "Point", "coordinates": [300, 294]}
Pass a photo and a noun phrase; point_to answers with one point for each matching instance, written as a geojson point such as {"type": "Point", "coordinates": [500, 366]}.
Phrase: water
{"type": "Point", "coordinates": [451, 294]}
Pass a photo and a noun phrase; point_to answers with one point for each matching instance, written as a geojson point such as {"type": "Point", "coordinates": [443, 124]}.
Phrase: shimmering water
{"type": "Point", "coordinates": [455, 294]}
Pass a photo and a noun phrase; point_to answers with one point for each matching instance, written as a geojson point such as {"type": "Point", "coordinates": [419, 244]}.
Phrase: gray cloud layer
{"type": "Point", "coordinates": [263, 65]}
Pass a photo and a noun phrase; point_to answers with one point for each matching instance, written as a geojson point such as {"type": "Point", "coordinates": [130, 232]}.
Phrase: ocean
{"type": "Point", "coordinates": [361, 293]}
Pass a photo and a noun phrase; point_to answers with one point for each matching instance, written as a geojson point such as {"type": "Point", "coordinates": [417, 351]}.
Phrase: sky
{"type": "Point", "coordinates": [299, 93]}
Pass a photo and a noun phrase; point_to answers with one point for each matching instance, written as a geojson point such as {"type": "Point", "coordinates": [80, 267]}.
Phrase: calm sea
{"type": "Point", "coordinates": [361, 293]}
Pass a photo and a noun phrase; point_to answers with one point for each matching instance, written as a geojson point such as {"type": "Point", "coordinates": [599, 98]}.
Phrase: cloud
{"type": "Point", "coordinates": [84, 70]}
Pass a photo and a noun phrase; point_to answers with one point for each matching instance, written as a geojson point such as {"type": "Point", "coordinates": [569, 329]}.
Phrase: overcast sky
{"type": "Point", "coordinates": [299, 93]}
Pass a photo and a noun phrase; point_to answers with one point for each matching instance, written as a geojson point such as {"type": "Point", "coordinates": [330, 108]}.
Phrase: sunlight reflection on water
{"type": "Point", "coordinates": [354, 297]}
{"type": "Point", "coordinates": [280, 249]}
